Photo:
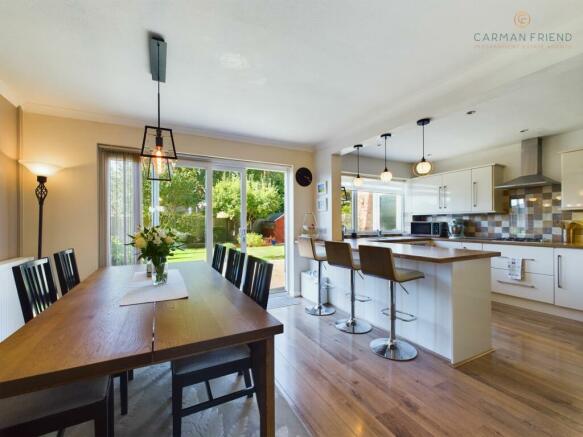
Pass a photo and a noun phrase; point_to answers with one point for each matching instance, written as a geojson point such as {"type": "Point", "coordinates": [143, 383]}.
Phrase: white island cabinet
{"type": "Point", "coordinates": [569, 278]}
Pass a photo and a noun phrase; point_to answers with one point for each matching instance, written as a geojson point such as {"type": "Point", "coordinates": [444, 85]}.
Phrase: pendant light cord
{"type": "Point", "coordinates": [385, 153]}
{"type": "Point", "coordinates": [158, 45]}
{"type": "Point", "coordinates": [423, 136]}
{"type": "Point", "coordinates": [358, 162]}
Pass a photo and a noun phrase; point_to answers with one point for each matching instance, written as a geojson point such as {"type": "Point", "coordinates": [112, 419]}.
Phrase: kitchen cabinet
{"type": "Point", "coordinates": [572, 180]}
{"type": "Point", "coordinates": [569, 278]}
{"type": "Point", "coordinates": [456, 192]}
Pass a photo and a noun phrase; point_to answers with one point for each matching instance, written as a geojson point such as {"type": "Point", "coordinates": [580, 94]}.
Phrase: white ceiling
{"type": "Point", "coordinates": [304, 72]}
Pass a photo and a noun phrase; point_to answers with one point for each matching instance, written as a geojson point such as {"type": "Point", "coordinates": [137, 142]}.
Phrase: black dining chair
{"type": "Point", "coordinates": [219, 257]}
{"type": "Point", "coordinates": [53, 409]}
{"type": "Point", "coordinates": [67, 272]}
{"type": "Point", "coordinates": [234, 269]}
{"type": "Point", "coordinates": [221, 362]}
{"type": "Point", "coordinates": [257, 280]}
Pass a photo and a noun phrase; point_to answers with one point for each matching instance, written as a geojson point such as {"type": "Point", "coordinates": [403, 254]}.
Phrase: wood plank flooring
{"type": "Point", "coordinates": [532, 385]}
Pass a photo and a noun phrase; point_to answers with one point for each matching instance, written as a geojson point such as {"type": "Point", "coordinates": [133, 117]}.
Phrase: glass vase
{"type": "Point", "coordinates": [159, 275]}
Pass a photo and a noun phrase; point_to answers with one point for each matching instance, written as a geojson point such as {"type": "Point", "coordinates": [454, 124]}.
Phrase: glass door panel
{"type": "Point", "coordinates": [265, 195]}
{"type": "Point", "coordinates": [179, 204]}
{"type": "Point", "coordinates": [227, 211]}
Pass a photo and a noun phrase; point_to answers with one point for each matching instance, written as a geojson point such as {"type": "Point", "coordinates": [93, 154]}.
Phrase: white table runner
{"type": "Point", "coordinates": [141, 289]}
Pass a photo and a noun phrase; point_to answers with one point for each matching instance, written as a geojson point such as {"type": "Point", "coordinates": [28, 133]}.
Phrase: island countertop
{"type": "Point", "coordinates": [414, 252]}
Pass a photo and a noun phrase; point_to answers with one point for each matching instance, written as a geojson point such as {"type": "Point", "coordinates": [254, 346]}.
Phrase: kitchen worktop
{"type": "Point", "coordinates": [430, 254]}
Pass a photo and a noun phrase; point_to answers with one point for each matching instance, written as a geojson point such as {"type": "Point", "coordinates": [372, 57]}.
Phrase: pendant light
{"type": "Point", "coordinates": [423, 167]}
{"type": "Point", "coordinates": [158, 142]}
{"type": "Point", "coordinates": [357, 181]}
{"type": "Point", "coordinates": [386, 175]}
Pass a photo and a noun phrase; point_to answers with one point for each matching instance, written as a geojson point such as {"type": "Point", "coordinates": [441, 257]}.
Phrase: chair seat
{"type": "Point", "coordinates": [207, 360]}
{"type": "Point", "coordinates": [320, 254]}
{"type": "Point", "coordinates": [36, 405]}
{"type": "Point", "coordinates": [405, 275]}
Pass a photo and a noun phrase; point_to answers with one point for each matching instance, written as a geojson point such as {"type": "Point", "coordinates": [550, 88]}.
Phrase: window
{"type": "Point", "coordinates": [372, 207]}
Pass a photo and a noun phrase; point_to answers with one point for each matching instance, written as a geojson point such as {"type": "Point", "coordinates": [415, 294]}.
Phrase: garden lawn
{"type": "Point", "coordinates": [199, 254]}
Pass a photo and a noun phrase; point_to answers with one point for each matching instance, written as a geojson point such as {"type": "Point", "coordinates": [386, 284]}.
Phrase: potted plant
{"type": "Point", "coordinates": [156, 244]}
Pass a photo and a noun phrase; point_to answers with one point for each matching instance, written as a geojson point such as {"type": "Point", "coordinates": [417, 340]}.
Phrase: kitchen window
{"type": "Point", "coordinates": [373, 207]}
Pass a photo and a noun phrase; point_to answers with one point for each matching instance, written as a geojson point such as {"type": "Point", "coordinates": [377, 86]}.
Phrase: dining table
{"type": "Point", "coordinates": [87, 333]}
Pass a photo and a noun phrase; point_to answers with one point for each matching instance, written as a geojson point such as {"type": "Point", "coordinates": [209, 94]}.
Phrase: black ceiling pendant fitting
{"type": "Point", "coordinates": [386, 175]}
{"type": "Point", "coordinates": [357, 181]}
{"type": "Point", "coordinates": [158, 142]}
{"type": "Point", "coordinates": [423, 167]}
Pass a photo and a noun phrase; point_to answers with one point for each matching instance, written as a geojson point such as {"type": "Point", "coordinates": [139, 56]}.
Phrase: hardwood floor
{"type": "Point", "coordinates": [532, 385]}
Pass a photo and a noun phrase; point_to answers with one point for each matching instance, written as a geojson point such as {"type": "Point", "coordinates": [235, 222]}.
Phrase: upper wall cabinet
{"type": "Point", "coordinates": [469, 191]}
{"type": "Point", "coordinates": [572, 183]}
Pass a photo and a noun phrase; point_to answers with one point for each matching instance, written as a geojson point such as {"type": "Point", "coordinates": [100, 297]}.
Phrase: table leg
{"type": "Point", "coordinates": [264, 379]}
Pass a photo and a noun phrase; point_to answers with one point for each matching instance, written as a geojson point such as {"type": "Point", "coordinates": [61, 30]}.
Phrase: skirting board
{"type": "Point", "coordinates": [539, 306]}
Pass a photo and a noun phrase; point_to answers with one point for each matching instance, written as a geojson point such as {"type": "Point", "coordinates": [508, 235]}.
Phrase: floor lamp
{"type": "Point", "coordinates": [42, 171]}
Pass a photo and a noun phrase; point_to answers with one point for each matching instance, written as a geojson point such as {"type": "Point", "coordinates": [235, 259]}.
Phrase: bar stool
{"type": "Point", "coordinates": [307, 249]}
{"type": "Point", "coordinates": [339, 254]}
{"type": "Point", "coordinates": [379, 262]}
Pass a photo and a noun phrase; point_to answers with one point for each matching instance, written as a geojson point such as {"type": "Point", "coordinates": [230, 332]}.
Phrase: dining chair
{"type": "Point", "coordinates": [234, 269]}
{"type": "Point", "coordinates": [221, 362]}
{"type": "Point", "coordinates": [219, 257]}
{"type": "Point", "coordinates": [67, 272]}
{"type": "Point", "coordinates": [56, 408]}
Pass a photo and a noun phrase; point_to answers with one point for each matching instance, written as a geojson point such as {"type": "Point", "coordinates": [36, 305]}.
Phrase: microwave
{"type": "Point", "coordinates": [437, 229]}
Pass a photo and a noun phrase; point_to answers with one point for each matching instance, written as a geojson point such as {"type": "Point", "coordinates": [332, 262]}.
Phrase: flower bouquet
{"type": "Point", "coordinates": [156, 244]}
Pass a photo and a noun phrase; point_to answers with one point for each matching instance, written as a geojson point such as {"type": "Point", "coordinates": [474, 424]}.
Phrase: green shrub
{"type": "Point", "coordinates": [253, 239]}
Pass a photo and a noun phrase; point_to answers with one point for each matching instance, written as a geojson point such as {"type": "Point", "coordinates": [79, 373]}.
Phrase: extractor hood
{"type": "Point", "coordinates": [531, 166]}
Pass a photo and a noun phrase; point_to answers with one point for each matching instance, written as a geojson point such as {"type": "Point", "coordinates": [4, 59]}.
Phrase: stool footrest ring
{"type": "Point", "coordinates": [360, 297]}
{"type": "Point", "coordinates": [408, 317]}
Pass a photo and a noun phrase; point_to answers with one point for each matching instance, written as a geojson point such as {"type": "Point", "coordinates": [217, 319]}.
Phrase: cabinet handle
{"type": "Point", "coordinates": [559, 262]}
{"type": "Point", "coordinates": [439, 197]}
{"type": "Point", "coordinates": [475, 193]}
{"type": "Point", "coordinates": [444, 196]}
{"type": "Point", "coordinates": [516, 283]}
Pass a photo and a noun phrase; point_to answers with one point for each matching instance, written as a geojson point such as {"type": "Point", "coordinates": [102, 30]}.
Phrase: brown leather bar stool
{"type": "Point", "coordinates": [307, 249]}
{"type": "Point", "coordinates": [339, 254]}
{"type": "Point", "coordinates": [379, 262]}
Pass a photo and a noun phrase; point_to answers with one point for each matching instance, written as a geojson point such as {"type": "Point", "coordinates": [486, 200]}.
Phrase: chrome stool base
{"type": "Point", "coordinates": [320, 310]}
{"type": "Point", "coordinates": [353, 326]}
{"type": "Point", "coordinates": [399, 351]}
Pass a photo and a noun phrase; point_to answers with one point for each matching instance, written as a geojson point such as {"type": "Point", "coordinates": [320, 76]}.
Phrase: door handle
{"type": "Point", "coordinates": [559, 262]}
{"type": "Point", "coordinates": [516, 283]}
{"type": "Point", "coordinates": [475, 193]}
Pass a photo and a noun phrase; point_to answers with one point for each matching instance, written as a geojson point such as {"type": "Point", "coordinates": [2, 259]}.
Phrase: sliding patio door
{"type": "Point", "coordinates": [229, 207]}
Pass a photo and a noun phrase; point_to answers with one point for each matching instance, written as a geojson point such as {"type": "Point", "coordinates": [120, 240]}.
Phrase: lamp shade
{"type": "Point", "coordinates": [40, 168]}
{"type": "Point", "coordinates": [386, 176]}
{"type": "Point", "coordinates": [423, 167]}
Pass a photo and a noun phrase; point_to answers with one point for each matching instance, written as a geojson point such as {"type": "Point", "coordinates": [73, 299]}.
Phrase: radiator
{"type": "Point", "coordinates": [10, 312]}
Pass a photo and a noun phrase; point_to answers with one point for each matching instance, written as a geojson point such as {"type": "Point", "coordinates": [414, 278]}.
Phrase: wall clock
{"type": "Point", "coordinates": [304, 176]}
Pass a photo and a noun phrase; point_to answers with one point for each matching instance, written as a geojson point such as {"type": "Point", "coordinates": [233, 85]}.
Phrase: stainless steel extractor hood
{"type": "Point", "coordinates": [531, 167]}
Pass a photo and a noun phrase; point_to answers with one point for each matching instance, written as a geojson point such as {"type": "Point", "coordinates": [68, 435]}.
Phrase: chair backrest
{"type": "Point", "coordinates": [234, 270]}
{"type": "Point", "coordinates": [219, 257]}
{"type": "Point", "coordinates": [339, 254]}
{"type": "Point", "coordinates": [377, 261]}
{"type": "Point", "coordinates": [66, 265]}
{"type": "Point", "coordinates": [306, 247]}
{"type": "Point", "coordinates": [35, 286]}
{"type": "Point", "coordinates": [258, 280]}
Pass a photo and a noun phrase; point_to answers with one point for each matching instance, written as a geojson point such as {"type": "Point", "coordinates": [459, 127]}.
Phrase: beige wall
{"type": "Point", "coordinates": [8, 180]}
{"type": "Point", "coordinates": [510, 156]}
{"type": "Point", "coordinates": [71, 209]}
{"type": "Point", "coordinates": [374, 167]}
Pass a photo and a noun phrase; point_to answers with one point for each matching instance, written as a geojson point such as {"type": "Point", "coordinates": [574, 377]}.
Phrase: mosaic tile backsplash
{"type": "Point", "coordinates": [534, 213]}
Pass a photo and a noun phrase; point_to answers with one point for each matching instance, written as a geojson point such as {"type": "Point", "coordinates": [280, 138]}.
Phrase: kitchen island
{"type": "Point", "coordinates": [452, 303]}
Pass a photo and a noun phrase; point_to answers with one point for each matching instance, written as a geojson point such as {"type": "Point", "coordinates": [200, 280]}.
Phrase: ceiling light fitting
{"type": "Point", "coordinates": [386, 175]}
{"type": "Point", "coordinates": [158, 147]}
{"type": "Point", "coordinates": [423, 167]}
{"type": "Point", "coordinates": [357, 181]}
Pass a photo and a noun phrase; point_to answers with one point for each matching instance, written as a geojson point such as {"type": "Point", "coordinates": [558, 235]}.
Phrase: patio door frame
{"type": "Point", "coordinates": [241, 167]}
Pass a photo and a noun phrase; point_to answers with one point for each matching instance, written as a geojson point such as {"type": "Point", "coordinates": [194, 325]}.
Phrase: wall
{"type": "Point", "coordinates": [373, 166]}
{"type": "Point", "coordinates": [71, 208]}
{"type": "Point", "coordinates": [8, 179]}
{"type": "Point", "coordinates": [328, 168]}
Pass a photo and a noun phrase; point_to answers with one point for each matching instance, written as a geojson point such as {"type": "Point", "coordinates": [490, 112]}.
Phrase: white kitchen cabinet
{"type": "Point", "coordinates": [572, 180]}
{"type": "Point", "coordinates": [456, 191]}
{"type": "Point", "coordinates": [569, 278]}
{"type": "Point", "coordinates": [537, 260]}
{"type": "Point", "coordinates": [532, 286]}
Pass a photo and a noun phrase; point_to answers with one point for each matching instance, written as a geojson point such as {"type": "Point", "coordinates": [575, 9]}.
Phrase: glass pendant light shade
{"type": "Point", "coordinates": [423, 167]}
{"type": "Point", "coordinates": [158, 141]}
{"type": "Point", "coordinates": [386, 176]}
{"type": "Point", "coordinates": [159, 169]}
{"type": "Point", "coordinates": [357, 181]}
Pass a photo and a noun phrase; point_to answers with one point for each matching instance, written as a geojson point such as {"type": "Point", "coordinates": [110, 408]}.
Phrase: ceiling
{"type": "Point", "coordinates": [303, 73]}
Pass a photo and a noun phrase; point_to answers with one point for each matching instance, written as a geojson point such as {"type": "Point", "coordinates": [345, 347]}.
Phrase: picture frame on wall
{"type": "Point", "coordinates": [323, 204]}
{"type": "Point", "coordinates": [322, 188]}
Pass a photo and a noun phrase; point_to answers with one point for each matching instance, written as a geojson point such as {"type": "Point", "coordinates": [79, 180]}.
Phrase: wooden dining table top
{"type": "Point", "coordinates": [87, 333]}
